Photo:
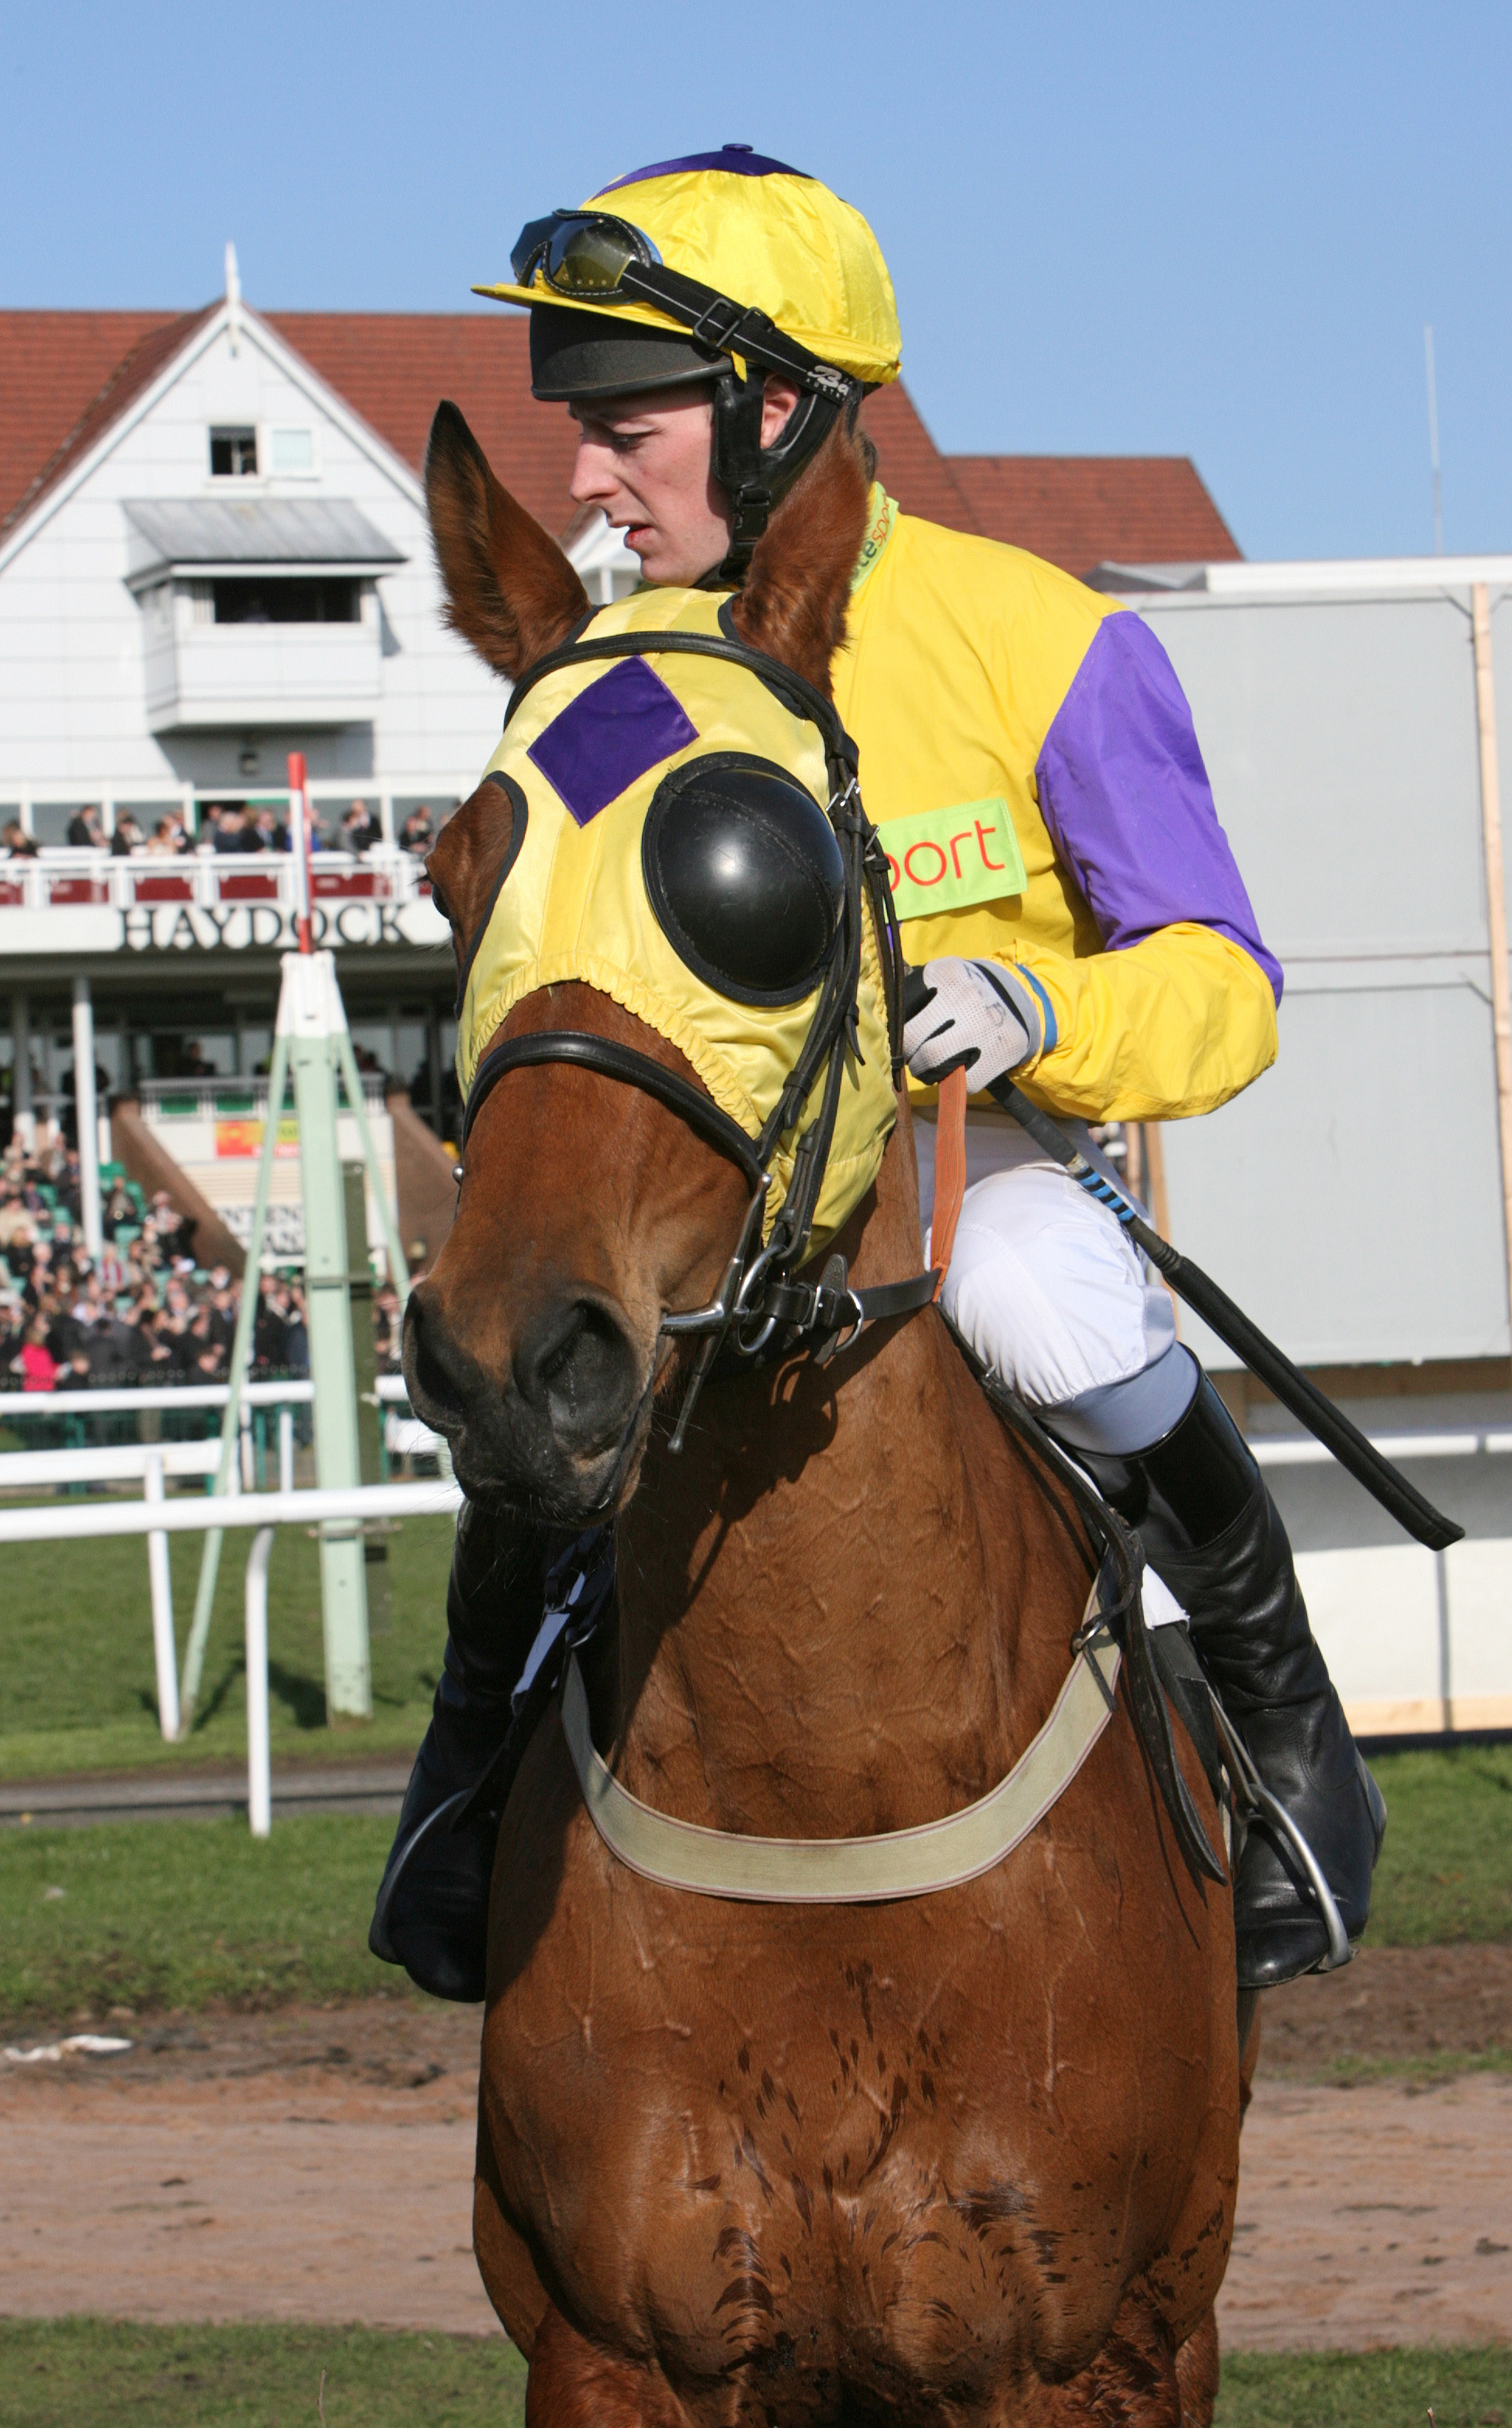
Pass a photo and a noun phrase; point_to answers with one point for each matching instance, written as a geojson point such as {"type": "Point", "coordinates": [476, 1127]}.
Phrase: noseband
{"type": "Point", "coordinates": [759, 1306]}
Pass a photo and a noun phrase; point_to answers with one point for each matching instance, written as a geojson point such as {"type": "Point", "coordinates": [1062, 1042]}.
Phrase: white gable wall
{"type": "Point", "coordinates": [72, 687]}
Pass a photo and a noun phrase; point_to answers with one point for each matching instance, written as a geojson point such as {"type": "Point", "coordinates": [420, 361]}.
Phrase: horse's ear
{"type": "Point", "coordinates": [510, 591]}
{"type": "Point", "coordinates": [793, 604]}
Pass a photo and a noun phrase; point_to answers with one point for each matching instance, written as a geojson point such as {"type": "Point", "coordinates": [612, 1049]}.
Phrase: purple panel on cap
{"type": "Point", "coordinates": [737, 160]}
{"type": "Point", "coordinates": [611, 733]}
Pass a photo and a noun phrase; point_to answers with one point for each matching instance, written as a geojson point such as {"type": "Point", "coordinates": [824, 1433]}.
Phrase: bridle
{"type": "Point", "coordinates": [759, 1306]}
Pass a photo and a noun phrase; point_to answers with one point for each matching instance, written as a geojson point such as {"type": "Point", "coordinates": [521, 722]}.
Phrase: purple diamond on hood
{"type": "Point", "coordinates": [610, 735]}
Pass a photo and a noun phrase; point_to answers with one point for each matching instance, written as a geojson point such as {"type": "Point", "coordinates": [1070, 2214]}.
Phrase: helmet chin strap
{"type": "Point", "coordinates": [754, 477]}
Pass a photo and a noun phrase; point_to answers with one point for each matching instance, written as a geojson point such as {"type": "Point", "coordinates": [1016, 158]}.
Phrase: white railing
{"type": "Point", "coordinates": [296, 1392]}
{"type": "Point", "coordinates": [67, 879]}
{"type": "Point", "coordinates": [106, 1463]}
{"type": "Point", "coordinates": [152, 1463]}
{"type": "Point", "coordinates": [264, 1511]}
{"type": "Point", "coordinates": [221, 1095]}
{"type": "Point", "coordinates": [1458, 1441]}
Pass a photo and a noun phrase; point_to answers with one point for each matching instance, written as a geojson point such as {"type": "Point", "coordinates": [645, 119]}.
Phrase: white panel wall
{"type": "Point", "coordinates": [1414, 1641]}
{"type": "Point", "coordinates": [1350, 1198]}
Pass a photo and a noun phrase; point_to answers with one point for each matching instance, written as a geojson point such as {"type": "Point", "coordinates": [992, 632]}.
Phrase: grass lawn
{"type": "Point", "coordinates": [164, 1914]}
{"type": "Point", "coordinates": [92, 2373]}
{"type": "Point", "coordinates": [79, 1687]}
{"type": "Point", "coordinates": [1381, 2389]}
{"type": "Point", "coordinates": [95, 2372]}
{"type": "Point", "coordinates": [1446, 1868]}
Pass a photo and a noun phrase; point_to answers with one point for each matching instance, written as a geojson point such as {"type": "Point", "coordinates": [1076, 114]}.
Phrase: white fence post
{"type": "Point", "coordinates": [247, 1472]}
{"type": "Point", "coordinates": [160, 1578]}
{"type": "Point", "coordinates": [259, 1768]}
{"type": "Point", "coordinates": [285, 1450]}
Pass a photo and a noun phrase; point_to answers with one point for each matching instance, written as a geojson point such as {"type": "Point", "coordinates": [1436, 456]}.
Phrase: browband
{"type": "Point", "coordinates": [793, 689]}
{"type": "Point", "coordinates": [623, 1062]}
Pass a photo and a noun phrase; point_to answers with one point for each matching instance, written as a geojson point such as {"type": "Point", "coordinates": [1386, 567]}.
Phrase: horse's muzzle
{"type": "Point", "coordinates": [554, 1430]}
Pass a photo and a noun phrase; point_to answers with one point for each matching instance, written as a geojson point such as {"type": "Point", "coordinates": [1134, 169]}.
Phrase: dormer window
{"type": "Point", "coordinates": [233, 454]}
{"type": "Point", "coordinates": [292, 451]}
{"type": "Point", "coordinates": [283, 599]}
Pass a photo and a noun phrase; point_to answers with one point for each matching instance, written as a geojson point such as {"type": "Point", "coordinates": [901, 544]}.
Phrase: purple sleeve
{"type": "Point", "coordinates": [1126, 798]}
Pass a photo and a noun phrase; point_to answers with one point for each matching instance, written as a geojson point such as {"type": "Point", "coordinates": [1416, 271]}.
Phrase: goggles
{"type": "Point", "coordinates": [591, 257]}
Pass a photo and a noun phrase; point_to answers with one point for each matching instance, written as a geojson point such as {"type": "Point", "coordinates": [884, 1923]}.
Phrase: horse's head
{"type": "Point", "coordinates": [648, 864]}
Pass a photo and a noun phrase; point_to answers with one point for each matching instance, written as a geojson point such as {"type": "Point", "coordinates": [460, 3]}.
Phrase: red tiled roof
{"type": "Point", "coordinates": [1078, 511]}
{"type": "Point", "coordinates": [908, 464]}
{"type": "Point", "coordinates": [64, 376]}
{"type": "Point", "coordinates": [394, 368]}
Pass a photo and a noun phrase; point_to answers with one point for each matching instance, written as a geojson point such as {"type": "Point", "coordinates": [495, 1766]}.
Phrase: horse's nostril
{"type": "Point", "coordinates": [575, 1364]}
{"type": "Point", "coordinates": [433, 1363]}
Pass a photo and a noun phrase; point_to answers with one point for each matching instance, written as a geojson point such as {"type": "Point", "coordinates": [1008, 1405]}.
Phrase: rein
{"type": "Point", "coordinates": [758, 1304]}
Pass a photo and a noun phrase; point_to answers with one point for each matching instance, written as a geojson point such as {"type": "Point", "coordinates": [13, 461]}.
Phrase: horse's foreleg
{"type": "Point", "coordinates": [574, 2383]}
{"type": "Point", "coordinates": [504, 2263]}
{"type": "Point", "coordinates": [1197, 2375]}
{"type": "Point", "coordinates": [1135, 2382]}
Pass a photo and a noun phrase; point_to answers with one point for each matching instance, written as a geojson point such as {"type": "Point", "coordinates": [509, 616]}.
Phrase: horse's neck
{"type": "Point", "coordinates": [819, 1599]}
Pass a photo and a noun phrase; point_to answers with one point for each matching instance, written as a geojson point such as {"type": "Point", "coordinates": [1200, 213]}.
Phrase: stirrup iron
{"type": "Point", "coordinates": [1258, 1798]}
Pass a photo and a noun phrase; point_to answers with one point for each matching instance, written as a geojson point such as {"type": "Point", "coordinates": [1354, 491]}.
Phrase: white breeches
{"type": "Point", "coordinates": [1044, 1285]}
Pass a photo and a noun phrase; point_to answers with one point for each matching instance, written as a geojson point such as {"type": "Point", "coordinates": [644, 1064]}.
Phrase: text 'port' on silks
{"type": "Point", "coordinates": [943, 859]}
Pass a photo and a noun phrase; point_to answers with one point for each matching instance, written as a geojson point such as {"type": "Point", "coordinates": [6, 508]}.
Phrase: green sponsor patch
{"type": "Point", "coordinates": [943, 859]}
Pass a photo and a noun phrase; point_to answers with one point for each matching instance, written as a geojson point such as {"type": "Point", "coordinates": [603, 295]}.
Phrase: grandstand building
{"type": "Point", "coordinates": [213, 551]}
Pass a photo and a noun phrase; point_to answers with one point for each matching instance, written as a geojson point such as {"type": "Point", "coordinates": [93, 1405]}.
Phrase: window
{"type": "Point", "coordinates": [233, 453]}
{"type": "Point", "coordinates": [280, 599]}
{"type": "Point", "coordinates": [292, 450]}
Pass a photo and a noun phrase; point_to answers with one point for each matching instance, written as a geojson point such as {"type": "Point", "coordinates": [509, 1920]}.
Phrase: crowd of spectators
{"type": "Point", "coordinates": [227, 826]}
{"type": "Point", "coordinates": [145, 1311]}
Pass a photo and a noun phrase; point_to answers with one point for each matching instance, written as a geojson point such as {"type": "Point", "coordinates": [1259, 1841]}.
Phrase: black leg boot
{"type": "Point", "coordinates": [1210, 1526]}
{"type": "Point", "coordinates": [431, 1914]}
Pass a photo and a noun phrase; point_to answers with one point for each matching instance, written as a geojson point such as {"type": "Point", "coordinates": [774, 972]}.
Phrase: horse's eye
{"type": "Point", "coordinates": [746, 877]}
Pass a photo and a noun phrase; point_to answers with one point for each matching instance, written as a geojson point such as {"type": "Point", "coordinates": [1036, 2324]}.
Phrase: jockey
{"type": "Point", "coordinates": [1073, 916]}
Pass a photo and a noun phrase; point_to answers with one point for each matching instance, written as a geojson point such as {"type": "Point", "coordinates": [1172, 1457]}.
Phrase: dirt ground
{"type": "Point", "coordinates": [1393, 2003]}
{"type": "Point", "coordinates": [317, 2165]}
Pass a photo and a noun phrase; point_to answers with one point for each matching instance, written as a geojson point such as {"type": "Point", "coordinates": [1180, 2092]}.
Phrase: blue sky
{"type": "Point", "coordinates": [1112, 229]}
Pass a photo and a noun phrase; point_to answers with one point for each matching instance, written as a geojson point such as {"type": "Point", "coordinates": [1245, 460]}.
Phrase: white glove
{"type": "Point", "coordinates": [966, 1013]}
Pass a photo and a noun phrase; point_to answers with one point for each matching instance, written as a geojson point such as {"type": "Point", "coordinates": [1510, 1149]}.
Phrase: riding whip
{"type": "Point", "coordinates": [1329, 1425]}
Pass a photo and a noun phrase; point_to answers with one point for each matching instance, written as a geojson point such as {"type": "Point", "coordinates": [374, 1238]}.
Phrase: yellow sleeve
{"type": "Point", "coordinates": [1171, 1026]}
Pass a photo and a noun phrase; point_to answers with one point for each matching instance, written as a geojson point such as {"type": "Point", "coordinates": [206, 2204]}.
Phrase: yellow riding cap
{"type": "Point", "coordinates": [762, 234]}
{"type": "Point", "coordinates": [670, 849]}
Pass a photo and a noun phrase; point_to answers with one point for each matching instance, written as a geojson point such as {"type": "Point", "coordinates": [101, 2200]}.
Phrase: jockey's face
{"type": "Point", "coordinates": [646, 459]}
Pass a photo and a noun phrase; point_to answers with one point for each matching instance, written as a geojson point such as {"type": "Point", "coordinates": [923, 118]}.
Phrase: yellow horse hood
{"type": "Point", "coordinates": [622, 775]}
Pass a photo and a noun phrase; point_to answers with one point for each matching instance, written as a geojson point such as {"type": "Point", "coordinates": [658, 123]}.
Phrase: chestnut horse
{"type": "Point", "coordinates": [968, 2156]}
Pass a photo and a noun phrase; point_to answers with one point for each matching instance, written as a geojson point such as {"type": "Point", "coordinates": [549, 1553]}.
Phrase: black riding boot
{"type": "Point", "coordinates": [1211, 1528]}
{"type": "Point", "coordinates": [431, 1914]}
